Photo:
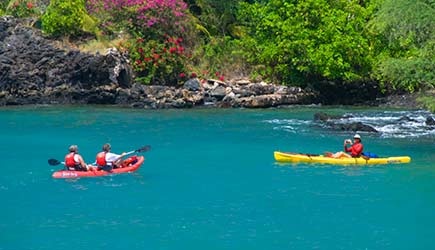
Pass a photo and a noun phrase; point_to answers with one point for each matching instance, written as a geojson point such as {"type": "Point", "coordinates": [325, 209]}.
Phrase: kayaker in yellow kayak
{"type": "Point", "coordinates": [350, 150]}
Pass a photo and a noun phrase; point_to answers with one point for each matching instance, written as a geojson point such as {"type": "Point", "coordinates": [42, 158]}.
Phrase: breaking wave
{"type": "Point", "coordinates": [389, 124]}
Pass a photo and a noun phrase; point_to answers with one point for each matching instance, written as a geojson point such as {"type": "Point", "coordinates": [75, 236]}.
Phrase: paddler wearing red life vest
{"type": "Point", "coordinates": [74, 161]}
{"type": "Point", "coordinates": [350, 150]}
{"type": "Point", "coordinates": [356, 148]}
{"type": "Point", "coordinates": [106, 158]}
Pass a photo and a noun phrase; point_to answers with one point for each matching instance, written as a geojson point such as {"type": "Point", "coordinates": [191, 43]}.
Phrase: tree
{"type": "Point", "coordinates": [217, 17]}
{"type": "Point", "coordinates": [406, 45]}
{"type": "Point", "coordinates": [299, 41]}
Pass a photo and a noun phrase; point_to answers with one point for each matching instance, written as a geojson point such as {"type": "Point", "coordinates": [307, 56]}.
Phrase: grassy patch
{"type": "Point", "coordinates": [428, 100]}
{"type": "Point", "coordinates": [99, 46]}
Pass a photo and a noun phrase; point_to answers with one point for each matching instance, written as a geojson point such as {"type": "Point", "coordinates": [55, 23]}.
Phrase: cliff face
{"type": "Point", "coordinates": [33, 70]}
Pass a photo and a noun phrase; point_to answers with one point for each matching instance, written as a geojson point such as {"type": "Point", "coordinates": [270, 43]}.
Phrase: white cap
{"type": "Point", "coordinates": [356, 136]}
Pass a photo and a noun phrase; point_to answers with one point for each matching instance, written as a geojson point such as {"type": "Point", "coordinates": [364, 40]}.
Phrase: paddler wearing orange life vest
{"type": "Point", "coordinates": [74, 161]}
{"type": "Point", "coordinates": [108, 159]}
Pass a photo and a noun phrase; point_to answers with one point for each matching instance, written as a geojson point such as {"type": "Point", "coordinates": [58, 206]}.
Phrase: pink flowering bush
{"type": "Point", "coordinates": [159, 63]}
{"type": "Point", "coordinates": [150, 17]}
{"type": "Point", "coordinates": [157, 28]}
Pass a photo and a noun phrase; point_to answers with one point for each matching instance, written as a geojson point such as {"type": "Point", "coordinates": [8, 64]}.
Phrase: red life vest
{"type": "Point", "coordinates": [101, 159]}
{"type": "Point", "coordinates": [356, 149]}
{"type": "Point", "coordinates": [69, 160]}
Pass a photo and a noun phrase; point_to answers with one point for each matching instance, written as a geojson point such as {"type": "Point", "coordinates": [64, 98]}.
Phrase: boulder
{"type": "Point", "coordinates": [192, 84]}
{"type": "Point", "coordinates": [430, 121]}
{"type": "Point", "coordinates": [355, 127]}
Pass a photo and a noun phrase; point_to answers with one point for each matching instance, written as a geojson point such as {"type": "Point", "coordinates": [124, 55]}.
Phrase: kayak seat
{"type": "Point", "coordinates": [129, 161]}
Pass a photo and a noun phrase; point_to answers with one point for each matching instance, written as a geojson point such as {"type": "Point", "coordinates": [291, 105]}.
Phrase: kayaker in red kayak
{"type": "Point", "coordinates": [74, 161]}
{"type": "Point", "coordinates": [355, 150]}
{"type": "Point", "coordinates": [107, 159]}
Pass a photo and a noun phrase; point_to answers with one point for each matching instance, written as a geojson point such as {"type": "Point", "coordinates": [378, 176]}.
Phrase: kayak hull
{"type": "Point", "coordinates": [309, 158]}
{"type": "Point", "coordinates": [65, 174]}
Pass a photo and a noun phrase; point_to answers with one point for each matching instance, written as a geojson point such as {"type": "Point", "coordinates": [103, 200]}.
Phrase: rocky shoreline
{"type": "Point", "coordinates": [33, 70]}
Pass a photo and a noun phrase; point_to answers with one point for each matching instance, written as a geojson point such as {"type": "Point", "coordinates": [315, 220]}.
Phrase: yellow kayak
{"type": "Point", "coordinates": [311, 158]}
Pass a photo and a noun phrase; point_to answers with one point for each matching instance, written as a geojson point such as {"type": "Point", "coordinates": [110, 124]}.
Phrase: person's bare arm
{"type": "Point", "coordinates": [82, 162]}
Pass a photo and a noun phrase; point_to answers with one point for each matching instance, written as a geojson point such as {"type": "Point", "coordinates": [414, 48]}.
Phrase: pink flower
{"type": "Point", "coordinates": [172, 50]}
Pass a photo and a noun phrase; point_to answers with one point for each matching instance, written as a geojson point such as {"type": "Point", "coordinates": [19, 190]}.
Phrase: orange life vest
{"type": "Point", "coordinates": [69, 160]}
{"type": "Point", "coordinates": [101, 159]}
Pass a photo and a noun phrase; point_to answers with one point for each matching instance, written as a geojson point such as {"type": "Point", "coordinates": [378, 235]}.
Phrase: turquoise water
{"type": "Point", "coordinates": [210, 181]}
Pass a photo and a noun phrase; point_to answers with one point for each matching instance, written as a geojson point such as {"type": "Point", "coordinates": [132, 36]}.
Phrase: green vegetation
{"type": "Point", "coordinates": [428, 102]}
{"type": "Point", "coordinates": [406, 43]}
{"type": "Point", "coordinates": [300, 41]}
{"type": "Point", "coordinates": [284, 41]}
{"type": "Point", "coordinates": [64, 18]}
{"type": "Point", "coordinates": [160, 63]}
{"type": "Point", "coordinates": [19, 8]}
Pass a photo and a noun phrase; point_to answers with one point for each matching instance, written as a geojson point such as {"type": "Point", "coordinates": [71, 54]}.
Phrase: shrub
{"type": "Point", "coordinates": [150, 18]}
{"type": "Point", "coordinates": [217, 58]}
{"type": "Point", "coordinates": [406, 46]}
{"type": "Point", "coordinates": [158, 28]}
{"type": "Point", "coordinates": [159, 63]}
{"type": "Point", "coordinates": [64, 17]}
{"type": "Point", "coordinates": [407, 73]}
{"type": "Point", "coordinates": [427, 101]}
{"type": "Point", "coordinates": [21, 8]}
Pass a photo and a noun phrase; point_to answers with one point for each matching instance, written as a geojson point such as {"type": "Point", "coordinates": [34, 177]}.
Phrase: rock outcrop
{"type": "Point", "coordinates": [334, 122]}
{"type": "Point", "coordinates": [33, 70]}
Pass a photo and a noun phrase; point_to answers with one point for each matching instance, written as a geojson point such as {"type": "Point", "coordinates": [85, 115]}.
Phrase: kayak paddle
{"type": "Point", "coordinates": [142, 149]}
{"type": "Point", "coordinates": [54, 162]}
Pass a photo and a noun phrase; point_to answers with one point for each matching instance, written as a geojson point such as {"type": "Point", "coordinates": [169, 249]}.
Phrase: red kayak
{"type": "Point", "coordinates": [129, 165]}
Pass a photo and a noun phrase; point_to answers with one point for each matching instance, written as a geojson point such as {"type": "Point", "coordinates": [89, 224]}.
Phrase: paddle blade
{"type": "Point", "coordinates": [53, 162]}
{"type": "Point", "coordinates": [144, 148]}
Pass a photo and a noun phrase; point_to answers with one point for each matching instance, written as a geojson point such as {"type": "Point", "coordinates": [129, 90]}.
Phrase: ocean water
{"type": "Point", "coordinates": [210, 181]}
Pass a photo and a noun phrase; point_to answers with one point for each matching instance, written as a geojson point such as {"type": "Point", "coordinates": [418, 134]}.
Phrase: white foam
{"type": "Point", "coordinates": [390, 124]}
